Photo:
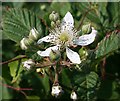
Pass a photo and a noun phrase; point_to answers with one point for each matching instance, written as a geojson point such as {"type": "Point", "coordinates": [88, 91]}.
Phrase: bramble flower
{"type": "Point", "coordinates": [28, 64]}
{"type": "Point", "coordinates": [56, 90]}
{"type": "Point", "coordinates": [63, 36]}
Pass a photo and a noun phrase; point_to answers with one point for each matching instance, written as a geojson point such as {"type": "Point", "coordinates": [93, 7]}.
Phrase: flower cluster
{"type": "Point", "coordinates": [62, 36]}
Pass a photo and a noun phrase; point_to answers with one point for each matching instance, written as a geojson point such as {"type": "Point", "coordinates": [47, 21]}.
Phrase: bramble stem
{"type": "Point", "coordinates": [14, 59]}
{"type": "Point", "coordinates": [85, 14]}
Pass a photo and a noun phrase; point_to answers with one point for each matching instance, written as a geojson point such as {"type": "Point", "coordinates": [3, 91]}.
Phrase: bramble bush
{"type": "Point", "coordinates": [60, 50]}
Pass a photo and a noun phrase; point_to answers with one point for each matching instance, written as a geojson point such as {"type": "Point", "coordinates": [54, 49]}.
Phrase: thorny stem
{"type": "Point", "coordinates": [43, 22]}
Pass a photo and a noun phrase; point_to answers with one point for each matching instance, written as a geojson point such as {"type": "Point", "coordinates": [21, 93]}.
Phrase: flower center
{"type": "Point", "coordinates": [64, 37]}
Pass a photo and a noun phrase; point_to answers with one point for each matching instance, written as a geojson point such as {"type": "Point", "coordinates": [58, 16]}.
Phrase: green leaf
{"type": "Point", "coordinates": [86, 80]}
{"type": "Point", "coordinates": [36, 98]}
{"type": "Point", "coordinates": [18, 4]}
{"type": "Point", "coordinates": [45, 82]}
{"type": "Point", "coordinates": [102, 8]}
{"type": "Point", "coordinates": [90, 80]}
{"type": "Point", "coordinates": [108, 45]}
{"type": "Point", "coordinates": [113, 9]}
{"type": "Point", "coordinates": [15, 69]}
{"type": "Point", "coordinates": [91, 14]}
{"type": "Point", "coordinates": [65, 79]}
{"type": "Point", "coordinates": [4, 90]}
{"type": "Point", "coordinates": [109, 90]}
{"type": "Point", "coordinates": [17, 23]}
{"type": "Point", "coordinates": [86, 83]}
{"type": "Point", "coordinates": [61, 7]}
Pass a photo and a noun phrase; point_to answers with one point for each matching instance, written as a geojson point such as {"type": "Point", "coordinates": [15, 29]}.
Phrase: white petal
{"type": "Point", "coordinates": [48, 38]}
{"type": "Point", "coordinates": [22, 44]}
{"type": "Point", "coordinates": [34, 32]}
{"type": "Point", "coordinates": [68, 21]}
{"type": "Point", "coordinates": [86, 39]}
{"type": "Point", "coordinates": [73, 56]}
{"type": "Point", "coordinates": [28, 64]}
{"type": "Point", "coordinates": [47, 51]}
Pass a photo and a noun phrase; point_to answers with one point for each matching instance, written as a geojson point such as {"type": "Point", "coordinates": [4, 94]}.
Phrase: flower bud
{"type": "Point", "coordinates": [28, 41]}
{"type": "Point", "coordinates": [83, 53]}
{"type": "Point", "coordinates": [54, 16]}
{"type": "Point", "coordinates": [52, 24]}
{"type": "Point", "coordinates": [56, 90]}
{"type": "Point", "coordinates": [40, 70]}
{"type": "Point", "coordinates": [54, 55]}
{"type": "Point", "coordinates": [22, 44]}
{"type": "Point", "coordinates": [86, 29]}
{"type": "Point", "coordinates": [34, 35]}
{"type": "Point", "coordinates": [25, 42]}
{"type": "Point", "coordinates": [73, 96]}
{"type": "Point", "coordinates": [58, 22]}
{"type": "Point", "coordinates": [79, 33]}
{"type": "Point", "coordinates": [29, 64]}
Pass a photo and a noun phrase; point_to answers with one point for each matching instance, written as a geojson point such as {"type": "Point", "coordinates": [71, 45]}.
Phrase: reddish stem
{"type": "Point", "coordinates": [103, 69]}
{"type": "Point", "coordinates": [17, 89]}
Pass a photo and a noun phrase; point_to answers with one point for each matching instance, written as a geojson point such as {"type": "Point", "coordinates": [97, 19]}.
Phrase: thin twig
{"type": "Point", "coordinates": [62, 63]}
{"type": "Point", "coordinates": [14, 59]}
{"type": "Point", "coordinates": [43, 22]}
{"type": "Point", "coordinates": [17, 89]}
{"type": "Point", "coordinates": [85, 14]}
{"type": "Point", "coordinates": [68, 88]}
{"type": "Point", "coordinates": [103, 68]}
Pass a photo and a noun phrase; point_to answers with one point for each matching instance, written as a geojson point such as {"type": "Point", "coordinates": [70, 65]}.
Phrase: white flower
{"type": "Point", "coordinates": [56, 90]}
{"type": "Point", "coordinates": [65, 35]}
{"type": "Point", "coordinates": [28, 64]}
{"type": "Point", "coordinates": [73, 96]}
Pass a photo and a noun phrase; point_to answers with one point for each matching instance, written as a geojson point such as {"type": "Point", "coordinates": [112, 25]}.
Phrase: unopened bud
{"type": "Point", "coordinates": [56, 90]}
{"type": "Point", "coordinates": [54, 55]}
{"type": "Point", "coordinates": [29, 64]}
{"type": "Point", "coordinates": [40, 71]}
{"type": "Point", "coordinates": [79, 32]}
{"type": "Point", "coordinates": [34, 35]}
{"type": "Point", "coordinates": [28, 41]}
{"type": "Point", "coordinates": [73, 96]}
{"type": "Point", "coordinates": [58, 22]}
{"type": "Point", "coordinates": [54, 16]}
{"type": "Point", "coordinates": [83, 53]}
{"type": "Point", "coordinates": [23, 45]}
{"type": "Point", "coordinates": [52, 24]}
{"type": "Point", "coordinates": [86, 29]}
